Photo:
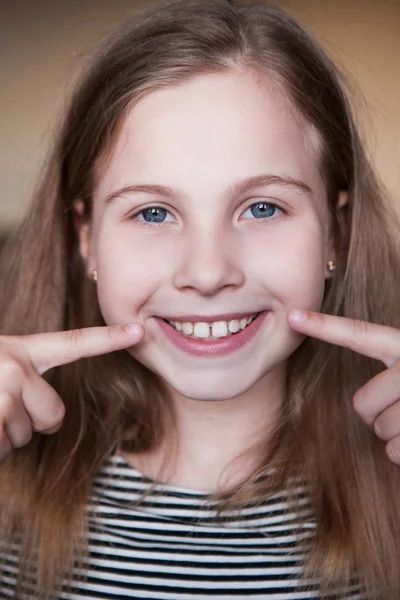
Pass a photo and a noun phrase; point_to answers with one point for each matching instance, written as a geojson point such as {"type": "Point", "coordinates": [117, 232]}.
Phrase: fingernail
{"type": "Point", "coordinates": [298, 315]}
{"type": "Point", "coordinates": [133, 328]}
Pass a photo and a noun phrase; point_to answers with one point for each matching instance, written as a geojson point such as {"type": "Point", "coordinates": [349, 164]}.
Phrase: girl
{"type": "Point", "coordinates": [208, 178]}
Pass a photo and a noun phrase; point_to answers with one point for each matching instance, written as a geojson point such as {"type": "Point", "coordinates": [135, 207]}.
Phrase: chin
{"type": "Point", "coordinates": [215, 390]}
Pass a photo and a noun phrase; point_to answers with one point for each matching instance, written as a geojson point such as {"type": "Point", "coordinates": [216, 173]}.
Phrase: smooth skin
{"type": "Point", "coordinates": [27, 402]}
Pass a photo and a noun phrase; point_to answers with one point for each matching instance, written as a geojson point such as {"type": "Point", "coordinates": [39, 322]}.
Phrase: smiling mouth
{"type": "Point", "coordinates": [211, 331]}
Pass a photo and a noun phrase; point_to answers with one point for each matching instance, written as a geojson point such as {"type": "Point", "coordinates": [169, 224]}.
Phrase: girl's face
{"type": "Point", "coordinates": [211, 245]}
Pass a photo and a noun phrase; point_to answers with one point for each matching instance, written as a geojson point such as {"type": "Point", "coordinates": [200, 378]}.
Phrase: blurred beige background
{"type": "Point", "coordinates": [42, 44]}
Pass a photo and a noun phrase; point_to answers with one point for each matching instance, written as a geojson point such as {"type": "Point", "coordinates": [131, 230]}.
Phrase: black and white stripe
{"type": "Point", "coordinates": [170, 547]}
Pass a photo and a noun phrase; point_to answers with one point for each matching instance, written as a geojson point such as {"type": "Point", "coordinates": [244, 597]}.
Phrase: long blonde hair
{"type": "Point", "coordinates": [351, 484]}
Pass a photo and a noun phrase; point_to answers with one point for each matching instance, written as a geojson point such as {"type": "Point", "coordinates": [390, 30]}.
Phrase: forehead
{"type": "Point", "coordinates": [206, 130]}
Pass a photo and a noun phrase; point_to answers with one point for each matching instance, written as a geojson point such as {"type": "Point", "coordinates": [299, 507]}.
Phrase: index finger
{"type": "Point", "coordinates": [376, 341]}
{"type": "Point", "coordinates": [48, 350]}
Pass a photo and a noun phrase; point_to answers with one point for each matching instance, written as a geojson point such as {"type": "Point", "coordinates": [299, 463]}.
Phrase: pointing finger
{"type": "Point", "coordinates": [48, 350]}
{"type": "Point", "coordinates": [376, 341]}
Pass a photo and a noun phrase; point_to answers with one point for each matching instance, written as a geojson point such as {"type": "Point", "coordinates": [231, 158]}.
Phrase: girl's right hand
{"type": "Point", "coordinates": [27, 402]}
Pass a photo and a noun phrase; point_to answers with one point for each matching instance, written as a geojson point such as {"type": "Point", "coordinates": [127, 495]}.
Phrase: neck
{"type": "Point", "coordinates": [211, 434]}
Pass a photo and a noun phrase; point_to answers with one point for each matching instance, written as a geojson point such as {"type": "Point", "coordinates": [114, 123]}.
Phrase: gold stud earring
{"type": "Point", "coordinates": [94, 275]}
{"type": "Point", "coordinates": [331, 266]}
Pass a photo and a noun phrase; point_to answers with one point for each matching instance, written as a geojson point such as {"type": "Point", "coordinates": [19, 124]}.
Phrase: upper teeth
{"type": "Point", "coordinates": [218, 328]}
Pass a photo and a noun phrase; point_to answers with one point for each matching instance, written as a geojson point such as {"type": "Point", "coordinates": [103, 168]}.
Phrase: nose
{"type": "Point", "coordinates": [208, 262]}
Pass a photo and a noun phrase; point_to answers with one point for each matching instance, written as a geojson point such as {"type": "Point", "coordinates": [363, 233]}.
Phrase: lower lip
{"type": "Point", "coordinates": [197, 347]}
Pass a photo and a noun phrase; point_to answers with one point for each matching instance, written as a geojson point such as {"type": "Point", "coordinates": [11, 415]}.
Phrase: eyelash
{"type": "Point", "coordinates": [135, 216]}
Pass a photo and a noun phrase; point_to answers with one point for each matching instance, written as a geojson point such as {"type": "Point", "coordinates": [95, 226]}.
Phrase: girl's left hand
{"type": "Point", "coordinates": [378, 401]}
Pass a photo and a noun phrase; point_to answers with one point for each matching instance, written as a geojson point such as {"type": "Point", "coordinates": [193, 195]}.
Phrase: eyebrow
{"type": "Point", "coordinates": [238, 188]}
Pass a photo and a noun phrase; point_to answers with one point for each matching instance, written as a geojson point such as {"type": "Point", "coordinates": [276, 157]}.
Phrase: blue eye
{"type": "Point", "coordinates": [263, 210]}
{"type": "Point", "coordinates": [155, 215]}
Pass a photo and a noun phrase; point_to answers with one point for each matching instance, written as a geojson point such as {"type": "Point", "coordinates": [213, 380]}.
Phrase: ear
{"type": "Point", "coordinates": [343, 199]}
{"type": "Point", "coordinates": [82, 228]}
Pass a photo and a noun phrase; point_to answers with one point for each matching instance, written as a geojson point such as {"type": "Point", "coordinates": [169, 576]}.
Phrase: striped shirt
{"type": "Point", "coordinates": [170, 548]}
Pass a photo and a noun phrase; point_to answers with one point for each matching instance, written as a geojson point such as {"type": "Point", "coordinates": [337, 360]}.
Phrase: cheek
{"type": "Point", "coordinates": [288, 260]}
{"type": "Point", "coordinates": [131, 269]}
{"type": "Point", "coordinates": [293, 264]}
